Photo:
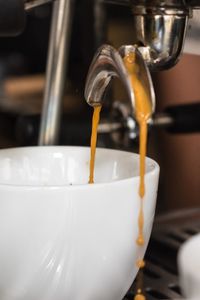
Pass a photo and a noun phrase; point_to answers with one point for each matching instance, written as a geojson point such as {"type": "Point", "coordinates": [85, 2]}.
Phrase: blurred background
{"type": "Point", "coordinates": [22, 81]}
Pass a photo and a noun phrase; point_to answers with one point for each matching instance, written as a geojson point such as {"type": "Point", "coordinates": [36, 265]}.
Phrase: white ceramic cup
{"type": "Point", "coordinates": [189, 267]}
{"type": "Point", "coordinates": [62, 238]}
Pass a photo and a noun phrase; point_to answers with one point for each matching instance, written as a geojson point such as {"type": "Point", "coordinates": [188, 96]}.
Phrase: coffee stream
{"type": "Point", "coordinates": [93, 142]}
{"type": "Point", "coordinates": [143, 110]}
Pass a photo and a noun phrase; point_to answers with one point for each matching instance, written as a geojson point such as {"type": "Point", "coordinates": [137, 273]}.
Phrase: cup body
{"type": "Point", "coordinates": [62, 238]}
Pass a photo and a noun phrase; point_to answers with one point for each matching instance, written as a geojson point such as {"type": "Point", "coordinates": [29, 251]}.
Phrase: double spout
{"type": "Point", "coordinates": [107, 64]}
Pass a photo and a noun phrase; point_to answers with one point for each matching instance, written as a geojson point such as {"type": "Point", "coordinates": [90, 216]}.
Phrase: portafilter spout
{"type": "Point", "coordinates": [160, 28]}
{"type": "Point", "coordinates": [108, 63]}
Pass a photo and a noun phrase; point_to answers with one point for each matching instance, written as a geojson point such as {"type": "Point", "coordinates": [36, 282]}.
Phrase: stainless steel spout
{"type": "Point", "coordinates": [108, 63]}
{"type": "Point", "coordinates": [161, 38]}
{"type": "Point", "coordinates": [160, 28]}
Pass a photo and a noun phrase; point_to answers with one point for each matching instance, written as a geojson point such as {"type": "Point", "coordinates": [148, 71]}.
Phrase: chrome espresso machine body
{"type": "Point", "coordinates": [159, 29]}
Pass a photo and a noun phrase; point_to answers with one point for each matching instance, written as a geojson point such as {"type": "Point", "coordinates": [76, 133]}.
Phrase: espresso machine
{"type": "Point", "coordinates": [159, 29]}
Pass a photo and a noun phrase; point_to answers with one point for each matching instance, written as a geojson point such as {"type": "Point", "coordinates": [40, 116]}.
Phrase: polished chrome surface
{"type": "Point", "coordinates": [108, 63]}
{"type": "Point", "coordinates": [34, 3]}
{"type": "Point", "coordinates": [161, 34]}
{"type": "Point", "coordinates": [159, 28]}
{"type": "Point", "coordinates": [56, 67]}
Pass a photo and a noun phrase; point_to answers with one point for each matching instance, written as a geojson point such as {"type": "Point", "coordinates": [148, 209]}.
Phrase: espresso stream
{"type": "Point", "coordinates": [93, 142]}
{"type": "Point", "coordinates": [143, 110]}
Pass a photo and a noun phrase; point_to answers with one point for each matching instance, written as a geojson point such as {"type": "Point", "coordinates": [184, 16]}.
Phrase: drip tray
{"type": "Point", "coordinates": [161, 275]}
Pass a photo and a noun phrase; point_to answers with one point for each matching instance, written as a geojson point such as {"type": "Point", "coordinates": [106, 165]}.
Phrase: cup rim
{"type": "Point", "coordinates": [154, 170]}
